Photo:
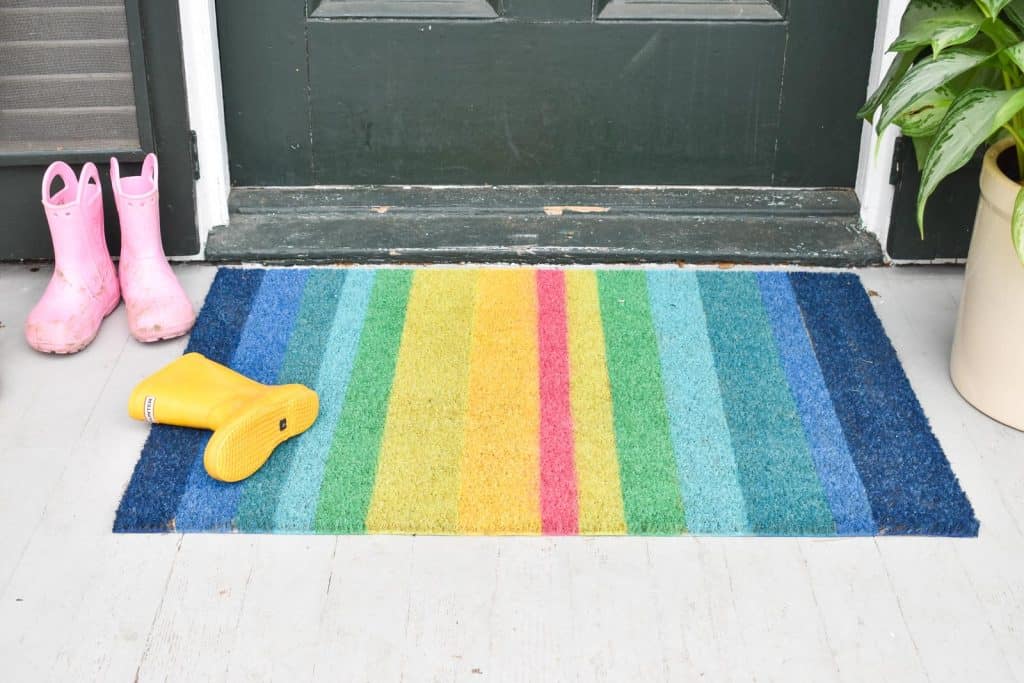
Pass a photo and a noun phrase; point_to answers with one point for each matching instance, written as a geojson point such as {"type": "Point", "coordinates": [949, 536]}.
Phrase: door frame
{"type": "Point", "coordinates": [206, 104]}
{"type": "Point", "coordinates": [874, 173]}
{"type": "Point", "coordinates": [201, 55]}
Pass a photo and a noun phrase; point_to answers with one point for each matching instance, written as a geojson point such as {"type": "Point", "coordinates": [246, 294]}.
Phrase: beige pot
{"type": "Point", "coordinates": [987, 363]}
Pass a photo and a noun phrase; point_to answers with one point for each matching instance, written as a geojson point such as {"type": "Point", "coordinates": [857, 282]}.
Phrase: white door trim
{"type": "Point", "coordinates": [873, 188]}
{"type": "Point", "coordinates": [201, 54]}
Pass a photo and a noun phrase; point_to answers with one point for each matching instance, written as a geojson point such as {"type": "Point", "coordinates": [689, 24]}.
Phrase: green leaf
{"type": "Point", "coordinates": [925, 77]}
{"type": "Point", "coordinates": [1000, 32]}
{"type": "Point", "coordinates": [918, 12]}
{"type": "Point", "coordinates": [923, 10]}
{"type": "Point", "coordinates": [1017, 225]}
{"type": "Point", "coordinates": [1016, 54]}
{"type": "Point", "coordinates": [896, 71]}
{"type": "Point", "coordinates": [992, 8]}
{"type": "Point", "coordinates": [922, 146]}
{"type": "Point", "coordinates": [988, 75]}
{"type": "Point", "coordinates": [922, 119]}
{"type": "Point", "coordinates": [1015, 13]}
{"type": "Point", "coordinates": [954, 27]}
{"type": "Point", "coordinates": [972, 119]}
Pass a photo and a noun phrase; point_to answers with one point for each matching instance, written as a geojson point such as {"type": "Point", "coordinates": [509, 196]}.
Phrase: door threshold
{"type": "Point", "coordinates": [544, 224]}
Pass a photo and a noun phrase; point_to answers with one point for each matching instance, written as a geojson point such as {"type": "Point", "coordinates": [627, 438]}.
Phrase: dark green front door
{"type": "Point", "coordinates": [572, 92]}
{"type": "Point", "coordinates": [82, 81]}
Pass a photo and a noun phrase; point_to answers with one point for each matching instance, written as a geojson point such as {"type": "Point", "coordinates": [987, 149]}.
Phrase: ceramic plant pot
{"type": "Point", "coordinates": [987, 364]}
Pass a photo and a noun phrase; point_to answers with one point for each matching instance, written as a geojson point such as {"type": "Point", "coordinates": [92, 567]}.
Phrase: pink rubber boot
{"type": "Point", "coordinates": [157, 305]}
{"type": "Point", "coordinates": [83, 289]}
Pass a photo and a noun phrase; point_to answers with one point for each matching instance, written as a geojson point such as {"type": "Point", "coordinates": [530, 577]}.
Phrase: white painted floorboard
{"type": "Point", "coordinates": [78, 603]}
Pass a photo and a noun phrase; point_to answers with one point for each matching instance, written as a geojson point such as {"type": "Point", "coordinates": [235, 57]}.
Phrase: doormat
{"type": "Point", "coordinates": [549, 401]}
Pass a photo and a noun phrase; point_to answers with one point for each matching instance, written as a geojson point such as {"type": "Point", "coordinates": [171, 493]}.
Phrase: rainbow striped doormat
{"type": "Point", "coordinates": [545, 401]}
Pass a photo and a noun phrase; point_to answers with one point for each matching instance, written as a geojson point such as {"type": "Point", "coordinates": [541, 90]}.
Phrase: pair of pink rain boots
{"type": "Point", "coordinates": [85, 287]}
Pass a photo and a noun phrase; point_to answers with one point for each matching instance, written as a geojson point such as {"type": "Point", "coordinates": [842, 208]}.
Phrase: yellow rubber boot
{"type": "Point", "coordinates": [249, 420]}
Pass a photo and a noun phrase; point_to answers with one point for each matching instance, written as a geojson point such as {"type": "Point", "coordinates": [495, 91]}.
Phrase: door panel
{"type": "Point", "coordinates": [546, 10]}
{"type": "Point", "coordinates": [750, 92]}
{"type": "Point", "coordinates": [264, 77]}
{"type": "Point", "coordinates": [573, 103]}
{"type": "Point", "coordinates": [747, 10]}
{"type": "Point", "coordinates": [422, 9]}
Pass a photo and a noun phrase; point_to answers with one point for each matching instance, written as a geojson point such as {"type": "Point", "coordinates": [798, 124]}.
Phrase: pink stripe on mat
{"type": "Point", "coordinates": [558, 501]}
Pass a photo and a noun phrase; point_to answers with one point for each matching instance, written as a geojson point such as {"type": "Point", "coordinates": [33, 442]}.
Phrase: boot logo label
{"type": "Point", "coordinates": [148, 409]}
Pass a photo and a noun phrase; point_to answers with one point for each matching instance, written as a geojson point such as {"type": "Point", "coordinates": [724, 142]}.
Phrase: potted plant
{"type": "Point", "coordinates": [957, 82]}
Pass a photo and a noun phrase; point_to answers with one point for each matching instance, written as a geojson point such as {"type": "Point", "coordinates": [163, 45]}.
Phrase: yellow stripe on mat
{"type": "Point", "coordinates": [417, 488]}
{"type": "Point", "coordinates": [501, 462]}
{"type": "Point", "coordinates": [597, 463]}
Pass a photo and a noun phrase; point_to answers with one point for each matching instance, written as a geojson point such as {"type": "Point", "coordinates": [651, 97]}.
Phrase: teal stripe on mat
{"type": "Point", "coordinates": [296, 506]}
{"type": "Point", "coordinates": [301, 366]}
{"type": "Point", "coordinates": [209, 504]}
{"type": "Point", "coordinates": [351, 468]}
{"type": "Point", "coordinates": [651, 492]}
{"type": "Point", "coordinates": [780, 484]}
{"type": "Point", "coordinates": [700, 434]}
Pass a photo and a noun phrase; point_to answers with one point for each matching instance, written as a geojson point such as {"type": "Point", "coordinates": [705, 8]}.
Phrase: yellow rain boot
{"type": "Point", "coordinates": [249, 420]}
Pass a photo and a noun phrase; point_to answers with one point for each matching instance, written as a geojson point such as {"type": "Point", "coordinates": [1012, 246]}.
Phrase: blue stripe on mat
{"type": "Point", "coordinates": [780, 484]}
{"type": "Point", "coordinates": [152, 496]}
{"type": "Point", "coordinates": [300, 492]}
{"type": "Point", "coordinates": [208, 504]}
{"type": "Point", "coordinates": [844, 490]}
{"type": "Point", "coordinates": [908, 480]}
{"type": "Point", "coordinates": [712, 493]}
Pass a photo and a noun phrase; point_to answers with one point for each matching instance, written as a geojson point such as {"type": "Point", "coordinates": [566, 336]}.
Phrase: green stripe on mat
{"type": "Point", "coordinates": [650, 481]}
{"type": "Point", "coordinates": [301, 365]}
{"type": "Point", "coordinates": [352, 462]}
{"type": "Point", "coordinates": [780, 483]}
{"type": "Point", "coordinates": [297, 500]}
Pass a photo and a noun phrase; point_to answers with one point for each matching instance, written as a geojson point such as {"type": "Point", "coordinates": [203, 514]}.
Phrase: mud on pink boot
{"type": "Point", "coordinates": [83, 289]}
{"type": "Point", "coordinates": [157, 305]}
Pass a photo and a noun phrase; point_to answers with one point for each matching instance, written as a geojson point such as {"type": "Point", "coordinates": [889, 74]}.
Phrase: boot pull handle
{"type": "Point", "coordinates": [115, 175]}
{"type": "Point", "coordinates": [151, 168]}
{"type": "Point", "coordinates": [89, 175]}
{"type": "Point", "coordinates": [57, 168]}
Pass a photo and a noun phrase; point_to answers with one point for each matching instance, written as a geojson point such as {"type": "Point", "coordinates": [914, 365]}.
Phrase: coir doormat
{"type": "Point", "coordinates": [536, 401]}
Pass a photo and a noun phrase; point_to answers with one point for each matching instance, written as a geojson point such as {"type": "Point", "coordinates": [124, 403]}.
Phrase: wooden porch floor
{"type": "Point", "coordinates": [79, 603]}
